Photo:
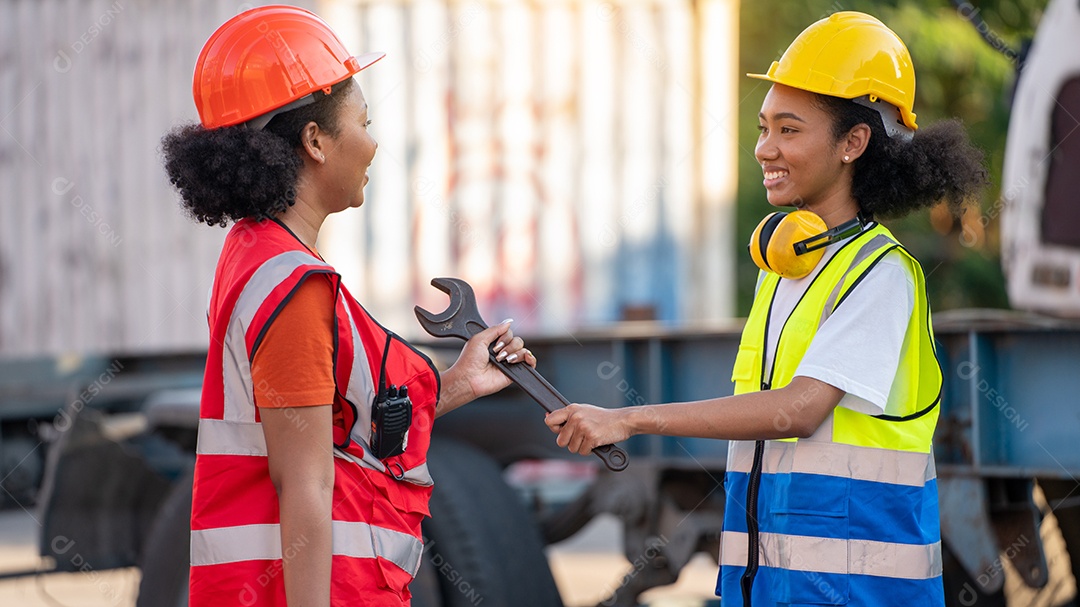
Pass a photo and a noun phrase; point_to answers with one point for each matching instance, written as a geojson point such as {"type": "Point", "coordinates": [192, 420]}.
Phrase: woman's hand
{"type": "Point", "coordinates": [582, 428]}
{"type": "Point", "coordinates": [473, 375]}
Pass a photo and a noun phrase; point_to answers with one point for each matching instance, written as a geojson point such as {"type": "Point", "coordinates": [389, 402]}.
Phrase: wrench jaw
{"type": "Point", "coordinates": [462, 319]}
{"type": "Point", "coordinates": [451, 322]}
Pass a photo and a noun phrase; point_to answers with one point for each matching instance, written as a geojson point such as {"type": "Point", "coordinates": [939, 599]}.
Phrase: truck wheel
{"type": "Point", "coordinates": [166, 555]}
{"type": "Point", "coordinates": [481, 543]}
{"type": "Point", "coordinates": [425, 586]}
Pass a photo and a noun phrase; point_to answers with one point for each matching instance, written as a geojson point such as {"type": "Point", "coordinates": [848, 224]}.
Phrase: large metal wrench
{"type": "Point", "coordinates": [462, 319]}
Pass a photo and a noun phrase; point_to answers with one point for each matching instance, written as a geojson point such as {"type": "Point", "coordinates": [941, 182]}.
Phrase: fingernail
{"type": "Point", "coordinates": [501, 355]}
{"type": "Point", "coordinates": [499, 345]}
{"type": "Point", "coordinates": [511, 358]}
{"type": "Point", "coordinates": [507, 321]}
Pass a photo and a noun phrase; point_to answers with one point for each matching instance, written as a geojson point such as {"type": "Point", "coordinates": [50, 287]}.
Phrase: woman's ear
{"type": "Point", "coordinates": [312, 138]}
{"type": "Point", "coordinates": [855, 142]}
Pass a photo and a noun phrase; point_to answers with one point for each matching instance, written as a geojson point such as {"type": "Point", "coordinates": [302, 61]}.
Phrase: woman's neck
{"type": "Point", "coordinates": [305, 221]}
{"type": "Point", "coordinates": [836, 210]}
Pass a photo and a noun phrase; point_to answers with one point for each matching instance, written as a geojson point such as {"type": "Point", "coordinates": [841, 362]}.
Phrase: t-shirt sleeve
{"type": "Point", "coordinates": [858, 348]}
{"type": "Point", "coordinates": [294, 365]}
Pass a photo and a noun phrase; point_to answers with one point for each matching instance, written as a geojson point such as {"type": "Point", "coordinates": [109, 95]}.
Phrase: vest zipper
{"type": "Point", "coordinates": [753, 539]}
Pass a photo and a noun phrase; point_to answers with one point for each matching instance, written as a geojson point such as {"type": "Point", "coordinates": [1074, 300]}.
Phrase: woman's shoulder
{"type": "Point", "coordinates": [897, 263]}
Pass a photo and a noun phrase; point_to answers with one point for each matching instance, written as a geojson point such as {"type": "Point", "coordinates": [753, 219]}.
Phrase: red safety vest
{"type": "Point", "coordinates": [236, 551]}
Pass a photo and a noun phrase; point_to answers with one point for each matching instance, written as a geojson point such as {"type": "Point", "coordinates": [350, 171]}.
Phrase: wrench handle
{"type": "Point", "coordinates": [551, 400]}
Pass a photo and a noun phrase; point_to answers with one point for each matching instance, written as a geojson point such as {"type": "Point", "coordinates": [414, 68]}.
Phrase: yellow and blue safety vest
{"type": "Point", "coordinates": [850, 514]}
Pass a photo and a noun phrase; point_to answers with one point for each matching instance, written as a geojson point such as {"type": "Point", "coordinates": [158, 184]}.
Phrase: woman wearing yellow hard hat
{"type": "Point", "coordinates": [831, 492]}
{"type": "Point", "coordinates": [311, 477]}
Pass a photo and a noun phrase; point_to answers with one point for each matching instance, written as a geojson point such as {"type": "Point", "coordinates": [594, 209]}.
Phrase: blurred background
{"type": "Point", "coordinates": [579, 163]}
{"type": "Point", "coordinates": [587, 166]}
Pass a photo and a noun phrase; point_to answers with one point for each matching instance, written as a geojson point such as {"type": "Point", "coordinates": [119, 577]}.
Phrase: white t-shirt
{"type": "Point", "coordinates": [857, 349]}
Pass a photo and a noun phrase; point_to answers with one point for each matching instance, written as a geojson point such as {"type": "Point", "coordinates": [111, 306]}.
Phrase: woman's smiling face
{"type": "Point", "coordinates": [801, 159]}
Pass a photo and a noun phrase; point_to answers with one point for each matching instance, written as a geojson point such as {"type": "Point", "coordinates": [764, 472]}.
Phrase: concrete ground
{"type": "Point", "coordinates": [586, 567]}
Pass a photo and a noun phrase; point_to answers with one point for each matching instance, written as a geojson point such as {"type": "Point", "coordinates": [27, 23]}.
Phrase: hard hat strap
{"type": "Point", "coordinates": [890, 117]}
{"type": "Point", "coordinates": [259, 122]}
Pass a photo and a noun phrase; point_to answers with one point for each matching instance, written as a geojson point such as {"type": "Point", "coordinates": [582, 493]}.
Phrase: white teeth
{"type": "Point", "coordinates": [774, 174]}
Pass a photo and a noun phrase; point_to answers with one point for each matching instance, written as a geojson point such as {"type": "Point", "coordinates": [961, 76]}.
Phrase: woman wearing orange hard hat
{"type": "Point", "coordinates": [831, 492]}
{"type": "Point", "coordinates": [311, 477]}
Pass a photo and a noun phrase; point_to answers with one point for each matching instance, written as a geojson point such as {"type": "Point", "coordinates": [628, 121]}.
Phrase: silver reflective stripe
{"type": "Point", "coordinates": [237, 368]}
{"type": "Point", "coordinates": [835, 459]}
{"type": "Point", "coordinates": [263, 542]}
{"type": "Point", "coordinates": [361, 540]}
{"type": "Point", "coordinates": [221, 437]}
{"type": "Point", "coordinates": [361, 388]}
{"type": "Point", "coordinates": [369, 461]}
{"type": "Point", "coordinates": [417, 476]}
{"type": "Point", "coordinates": [865, 251]}
{"type": "Point", "coordinates": [828, 555]}
{"type": "Point", "coordinates": [232, 544]}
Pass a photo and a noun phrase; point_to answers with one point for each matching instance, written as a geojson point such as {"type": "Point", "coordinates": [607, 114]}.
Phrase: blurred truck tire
{"type": "Point", "coordinates": [482, 546]}
{"type": "Point", "coordinates": [167, 553]}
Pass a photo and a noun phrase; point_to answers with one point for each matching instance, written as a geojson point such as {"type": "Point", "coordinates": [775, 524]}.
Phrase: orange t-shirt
{"type": "Point", "coordinates": [294, 365]}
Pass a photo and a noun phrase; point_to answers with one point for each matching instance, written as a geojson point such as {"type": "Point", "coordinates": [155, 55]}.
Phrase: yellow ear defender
{"type": "Point", "coordinates": [792, 244]}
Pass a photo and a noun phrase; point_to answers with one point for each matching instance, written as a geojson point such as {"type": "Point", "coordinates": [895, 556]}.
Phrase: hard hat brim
{"type": "Point", "coordinates": [367, 60]}
{"type": "Point", "coordinates": [353, 64]}
{"type": "Point", "coordinates": [907, 117]}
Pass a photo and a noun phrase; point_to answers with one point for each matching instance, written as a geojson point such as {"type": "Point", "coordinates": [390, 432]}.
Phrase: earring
{"type": "Point", "coordinates": [847, 158]}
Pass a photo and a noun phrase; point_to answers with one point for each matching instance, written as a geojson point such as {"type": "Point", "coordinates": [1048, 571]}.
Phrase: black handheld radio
{"type": "Point", "coordinates": [391, 416]}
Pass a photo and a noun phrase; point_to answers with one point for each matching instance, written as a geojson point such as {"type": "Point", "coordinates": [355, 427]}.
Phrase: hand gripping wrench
{"type": "Point", "coordinates": [462, 319]}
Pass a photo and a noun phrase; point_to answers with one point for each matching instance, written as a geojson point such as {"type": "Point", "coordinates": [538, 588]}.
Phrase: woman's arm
{"type": "Point", "coordinates": [298, 446]}
{"type": "Point", "coordinates": [796, 410]}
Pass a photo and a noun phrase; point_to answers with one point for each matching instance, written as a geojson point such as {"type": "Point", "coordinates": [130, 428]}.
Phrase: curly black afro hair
{"type": "Point", "coordinates": [894, 178]}
{"type": "Point", "coordinates": [229, 173]}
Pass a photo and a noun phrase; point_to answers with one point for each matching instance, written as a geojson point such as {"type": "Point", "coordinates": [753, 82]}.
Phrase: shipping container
{"type": "Point", "coordinates": [575, 161]}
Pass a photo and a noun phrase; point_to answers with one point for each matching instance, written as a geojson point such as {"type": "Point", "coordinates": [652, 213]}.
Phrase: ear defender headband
{"type": "Point", "coordinates": [792, 244]}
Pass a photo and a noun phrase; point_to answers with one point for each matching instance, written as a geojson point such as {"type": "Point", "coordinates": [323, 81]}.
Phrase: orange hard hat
{"type": "Point", "coordinates": [269, 58]}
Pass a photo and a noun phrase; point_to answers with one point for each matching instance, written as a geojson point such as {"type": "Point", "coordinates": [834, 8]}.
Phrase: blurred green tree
{"type": "Point", "coordinates": [958, 75]}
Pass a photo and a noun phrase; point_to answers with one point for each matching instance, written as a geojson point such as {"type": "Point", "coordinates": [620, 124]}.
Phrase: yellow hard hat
{"type": "Point", "coordinates": [850, 55]}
